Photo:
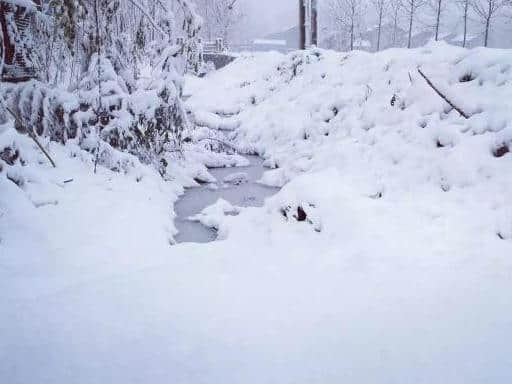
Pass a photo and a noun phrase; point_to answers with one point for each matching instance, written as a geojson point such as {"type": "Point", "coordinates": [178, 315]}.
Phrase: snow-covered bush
{"type": "Point", "coordinates": [105, 107]}
{"type": "Point", "coordinates": [101, 110]}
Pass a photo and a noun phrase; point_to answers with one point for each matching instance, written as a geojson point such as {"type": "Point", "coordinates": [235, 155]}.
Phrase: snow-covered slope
{"type": "Point", "coordinates": [309, 112]}
{"type": "Point", "coordinates": [385, 258]}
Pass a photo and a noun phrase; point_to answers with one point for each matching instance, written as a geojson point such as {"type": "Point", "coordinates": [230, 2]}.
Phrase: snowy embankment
{"type": "Point", "coordinates": [386, 257]}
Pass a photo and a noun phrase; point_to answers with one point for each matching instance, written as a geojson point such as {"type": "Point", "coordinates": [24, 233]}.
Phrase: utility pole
{"type": "Point", "coordinates": [302, 24]}
{"type": "Point", "coordinates": [308, 23]}
{"type": "Point", "coordinates": [314, 23]}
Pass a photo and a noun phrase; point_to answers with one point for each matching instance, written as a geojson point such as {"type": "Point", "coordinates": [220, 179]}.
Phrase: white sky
{"type": "Point", "coordinates": [267, 16]}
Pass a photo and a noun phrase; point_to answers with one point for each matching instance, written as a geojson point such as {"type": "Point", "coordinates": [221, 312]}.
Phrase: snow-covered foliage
{"type": "Point", "coordinates": [107, 106]}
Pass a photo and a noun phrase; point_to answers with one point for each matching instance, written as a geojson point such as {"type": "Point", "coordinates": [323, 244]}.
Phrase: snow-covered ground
{"type": "Point", "coordinates": [385, 258]}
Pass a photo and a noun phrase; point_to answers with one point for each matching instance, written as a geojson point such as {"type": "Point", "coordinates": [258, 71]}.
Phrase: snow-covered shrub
{"type": "Point", "coordinates": [103, 116]}
{"type": "Point", "coordinates": [102, 90]}
{"type": "Point", "coordinates": [43, 110]}
{"type": "Point", "coordinates": [89, 56]}
{"type": "Point", "coordinates": [293, 65]}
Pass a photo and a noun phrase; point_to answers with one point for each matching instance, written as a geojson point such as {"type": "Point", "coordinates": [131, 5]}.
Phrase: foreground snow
{"type": "Point", "coordinates": [401, 271]}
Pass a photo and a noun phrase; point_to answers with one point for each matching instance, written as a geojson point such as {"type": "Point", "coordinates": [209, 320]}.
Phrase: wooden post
{"type": "Point", "coordinates": [314, 23]}
{"type": "Point", "coordinates": [302, 24]}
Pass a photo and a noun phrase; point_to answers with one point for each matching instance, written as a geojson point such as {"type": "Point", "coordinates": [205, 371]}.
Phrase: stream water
{"type": "Point", "coordinates": [248, 193]}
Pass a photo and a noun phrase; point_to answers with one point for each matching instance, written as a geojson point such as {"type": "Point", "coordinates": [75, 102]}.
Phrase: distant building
{"type": "Point", "coordinates": [269, 45]}
{"type": "Point", "coordinates": [283, 42]}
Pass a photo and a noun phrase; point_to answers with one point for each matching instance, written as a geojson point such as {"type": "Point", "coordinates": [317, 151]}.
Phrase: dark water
{"type": "Point", "coordinates": [246, 194]}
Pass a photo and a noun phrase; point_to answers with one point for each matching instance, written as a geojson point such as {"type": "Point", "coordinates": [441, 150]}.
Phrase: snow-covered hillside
{"type": "Point", "coordinates": [385, 258]}
{"type": "Point", "coordinates": [373, 120]}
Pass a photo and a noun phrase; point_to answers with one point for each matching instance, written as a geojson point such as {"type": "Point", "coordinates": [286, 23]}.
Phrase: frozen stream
{"type": "Point", "coordinates": [246, 194]}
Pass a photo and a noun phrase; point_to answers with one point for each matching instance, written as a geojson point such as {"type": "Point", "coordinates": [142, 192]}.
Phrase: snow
{"type": "Point", "coordinates": [213, 215]}
{"type": "Point", "coordinates": [269, 42]}
{"type": "Point", "coordinates": [385, 258]}
{"type": "Point", "coordinates": [237, 178]}
{"type": "Point", "coordinates": [362, 43]}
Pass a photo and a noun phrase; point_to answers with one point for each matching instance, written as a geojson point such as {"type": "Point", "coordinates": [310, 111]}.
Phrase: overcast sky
{"type": "Point", "coordinates": [267, 16]}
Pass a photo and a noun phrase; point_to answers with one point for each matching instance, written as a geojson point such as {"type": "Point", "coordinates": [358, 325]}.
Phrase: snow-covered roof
{"type": "Point", "coordinates": [269, 42]}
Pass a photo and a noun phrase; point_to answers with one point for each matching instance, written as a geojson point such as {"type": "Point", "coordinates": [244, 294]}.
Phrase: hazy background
{"type": "Point", "coordinates": [262, 17]}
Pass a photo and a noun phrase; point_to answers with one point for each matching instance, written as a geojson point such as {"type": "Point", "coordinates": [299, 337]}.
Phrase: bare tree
{"type": "Point", "coordinates": [486, 11]}
{"type": "Point", "coordinates": [438, 6]}
{"type": "Point", "coordinates": [463, 5]}
{"type": "Point", "coordinates": [219, 17]}
{"type": "Point", "coordinates": [348, 15]}
{"type": "Point", "coordinates": [381, 8]}
{"type": "Point", "coordinates": [395, 9]}
{"type": "Point", "coordinates": [411, 7]}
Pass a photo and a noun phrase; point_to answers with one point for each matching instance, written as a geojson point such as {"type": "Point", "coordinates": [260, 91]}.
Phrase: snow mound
{"type": "Point", "coordinates": [214, 215]}
{"type": "Point", "coordinates": [237, 178]}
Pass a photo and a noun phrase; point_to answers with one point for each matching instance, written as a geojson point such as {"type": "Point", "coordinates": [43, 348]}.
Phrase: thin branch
{"type": "Point", "coordinates": [32, 136]}
{"type": "Point", "coordinates": [219, 141]}
{"type": "Point", "coordinates": [148, 16]}
{"type": "Point", "coordinates": [444, 97]}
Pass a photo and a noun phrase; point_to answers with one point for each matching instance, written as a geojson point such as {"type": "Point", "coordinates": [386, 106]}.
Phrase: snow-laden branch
{"type": "Point", "coordinates": [29, 4]}
{"type": "Point", "coordinates": [148, 16]}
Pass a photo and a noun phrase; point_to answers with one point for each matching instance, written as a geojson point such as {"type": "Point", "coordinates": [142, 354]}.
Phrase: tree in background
{"type": "Point", "coordinates": [220, 18]}
{"type": "Point", "coordinates": [486, 11]}
{"type": "Point", "coordinates": [348, 16]}
{"type": "Point", "coordinates": [439, 7]}
{"type": "Point", "coordinates": [411, 8]}
{"type": "Point", "coordinates": [395, 8]}
{"type": "Point", "coordinates": [381, 7]}
{"type": "Point", "coordinates": [464, 7]}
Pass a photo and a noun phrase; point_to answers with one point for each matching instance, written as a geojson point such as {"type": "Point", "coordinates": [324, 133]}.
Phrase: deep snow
{"type": "Point", "coordinates": [401, 272]}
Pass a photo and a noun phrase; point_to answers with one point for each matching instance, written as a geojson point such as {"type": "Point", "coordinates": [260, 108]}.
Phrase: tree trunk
{"type": "Point", "coordinates": [438, 19]}
{"type": "Point", "coordinates": [314, 22]}
{"type": "Point", "coordinates": [302, 25]}
{"type": "Point", "coordinates": [352, 34]}
{"type": "Point", "coordinates": [395, 26]}
{"type": "Point", "coordinates": [381, 9]}
{"type": "Point", "coordinates": [466, 6]}
{"type": "Point", "coordinates": [488, 24]}
{"type": "Point", "coordinates": [2, 55]}
{"type": "Point", "coordinates": [411, 16]}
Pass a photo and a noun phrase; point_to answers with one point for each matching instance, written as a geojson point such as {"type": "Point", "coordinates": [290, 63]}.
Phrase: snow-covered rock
{"type": "Point", "coordinates": [214, 215]}
{"type": "Point", "coordinates": [236, 178]}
